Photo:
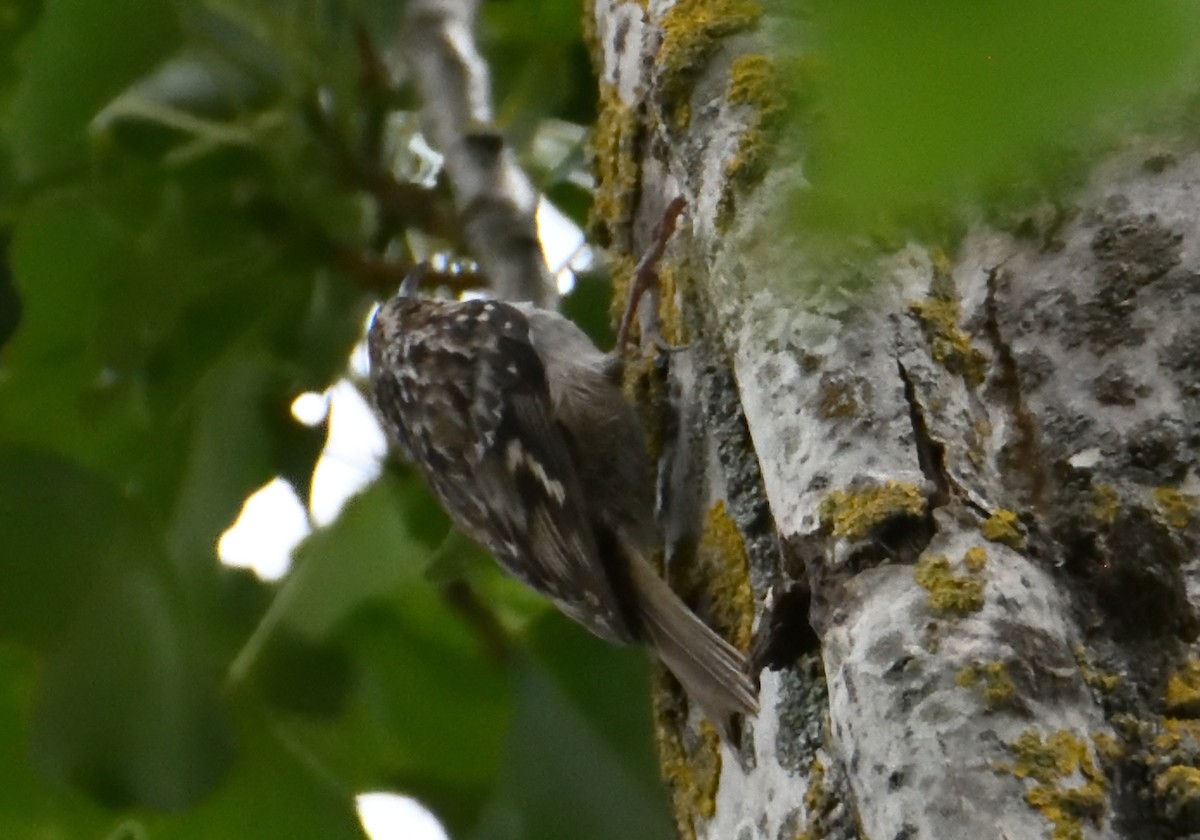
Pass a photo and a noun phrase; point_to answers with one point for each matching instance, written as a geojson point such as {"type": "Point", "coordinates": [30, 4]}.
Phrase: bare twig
{"type": "Point", "coordinates": [386, 275]}
{"type": "Point", "coordinates": [644, 285]}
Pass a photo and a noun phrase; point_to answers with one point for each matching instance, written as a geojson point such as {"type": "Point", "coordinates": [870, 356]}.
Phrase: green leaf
{"type": "Point", "coordinates": [61, 527]}
{"type": "Point", "coordinates": [277, 790]}
{"type": "Point", "coordinates": [142, 297]}
{"type": "Point", "coordinates": [427, 710]}
{"type": "Point", "coordinates": [126, 710]}
{"type": "Point", "coordinates": [10, 301]}
{"type": "Point", "coordinates": [382, 540]}
{"type": "Point", "coordinates": [420, 699]}
{"type": "Point", "coordinates": [19, 17]}
{"type": "Point", "coordinates": [239, 408]}
{"type": "Point", "coordinates": [225, 70]}
{"type": "Point", "coordinates": [565, 770]}
{"type": "Point", "coordinates": [589, 305]}
{"type": "Point", "coordinates": [920, 101]}
{"type": "Point", "coordinates": [79, 56]}
{"type": "Point", "coordinates": [27, 799]}
{"type": "Point", "coordinates": [607, 685]}
{"type": "Point", "coordinates": [538, 70]}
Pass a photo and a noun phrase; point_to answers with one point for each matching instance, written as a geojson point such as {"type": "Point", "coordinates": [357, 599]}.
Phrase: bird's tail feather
{"type": "Point", "coordinates": [714, 673]}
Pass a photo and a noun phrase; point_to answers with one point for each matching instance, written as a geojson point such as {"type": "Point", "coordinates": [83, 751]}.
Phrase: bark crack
{"type": "Point", "coordinates": [931, 454]}
{"type": "Point", "coordinates": [1027, 451]}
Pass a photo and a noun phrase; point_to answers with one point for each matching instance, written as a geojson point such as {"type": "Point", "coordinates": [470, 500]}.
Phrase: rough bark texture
{"type": "Point", "coordinates": [955, 493]}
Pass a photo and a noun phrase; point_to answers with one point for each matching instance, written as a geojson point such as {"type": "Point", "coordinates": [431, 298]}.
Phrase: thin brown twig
{"type": "Point", "coordinates": [480, 618]}
{"type": "Point", "coordinates": [645, 279]}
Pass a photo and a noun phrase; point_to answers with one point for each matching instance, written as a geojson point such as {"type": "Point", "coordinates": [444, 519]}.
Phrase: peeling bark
{"type": "Point", "coordinates": [966, 483]}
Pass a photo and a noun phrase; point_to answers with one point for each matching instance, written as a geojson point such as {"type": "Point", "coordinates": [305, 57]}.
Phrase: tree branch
{"type": "Point", "coordinates": [495, 199]}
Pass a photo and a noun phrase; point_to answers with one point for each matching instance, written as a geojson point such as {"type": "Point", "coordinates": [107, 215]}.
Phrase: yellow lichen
{"type": "Point", "coordinates": [951, 346]}
{"type": "Point", "coordinates": [975, 558]}
{"type": "Point", "coordinates": [814, 796]}
{"type": "Point", "coordinates": [749, 162]}
{"type": "Point", "coordinates": [1103, 681]}
{"type": "Point", "coordinates": [1104, 503]}
{"type": "Point", "coordinates": [991, 678]}
{"type": "Point", "coordinates": [591, 40]}
{"type": "Point", "coordinates": [1002, 527]}
{"type": "Point", "coordinates": [1183, 690]}
{"type": "Point", "coordinates": [754, 81]}
{"type": "Point", "coordinates": [943, 271]}
{"type": "Point", "coordinates": [671, 324]}
{"type": "Point", "coordinates": [836, 399]}
{"type": "Point", "coordinates": [692, 30]}
{"type": "Point", "coordinates": [853, 514]}
{"type": "Point", "coordinates": [975, 439]}
{"type": "Point", "coordinates": [618, 171]}
{"type": "Point", "coordinates": [1176, 508]}
{"type": "Point", "coordinates": [1050, 764]}
{"type": "Point", "coordinates": [1178, 733]}
{"type": "Point", "coordinates": [948, 592]}
{"type": "Point", "coordinates": [1108, 749]}
{"type": "Point", "coordinates": [817, 802]}
{"type": "Point", "coordinates": [724, 569]}
{"type": "Point", "coordinates": [1179, 785]}
{"type": "Point", "coordinates": [692, 776]}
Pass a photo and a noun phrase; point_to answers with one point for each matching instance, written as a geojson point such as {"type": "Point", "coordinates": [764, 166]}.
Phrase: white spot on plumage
{"type": "Point", "coordinates": [515, 456]}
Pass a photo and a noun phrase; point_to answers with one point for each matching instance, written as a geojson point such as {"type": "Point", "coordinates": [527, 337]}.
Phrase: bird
{"type": "Point", "coordinates": [518, 424]}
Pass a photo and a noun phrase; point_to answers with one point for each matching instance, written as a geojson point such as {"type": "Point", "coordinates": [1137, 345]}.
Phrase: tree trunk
{"type": "Point", "coordinates": [951, 497]}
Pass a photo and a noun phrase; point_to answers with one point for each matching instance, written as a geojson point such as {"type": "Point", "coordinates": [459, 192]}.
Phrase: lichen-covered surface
{"type": "Point", "coordinates": [954, 483]}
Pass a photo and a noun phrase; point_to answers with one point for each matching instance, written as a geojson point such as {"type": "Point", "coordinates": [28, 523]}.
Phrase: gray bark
{"type": "Point", "coordinates": [965, 485]}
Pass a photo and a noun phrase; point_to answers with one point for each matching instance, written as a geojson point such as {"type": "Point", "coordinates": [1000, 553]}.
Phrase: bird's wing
{"type": "Point", "coordinates": [537, 510]}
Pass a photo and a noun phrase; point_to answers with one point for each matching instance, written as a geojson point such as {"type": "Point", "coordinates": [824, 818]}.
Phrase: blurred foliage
{"type": "Point", "coordinates": [910, 109]}
{"type": "Point", "coordinates": [195, 201]}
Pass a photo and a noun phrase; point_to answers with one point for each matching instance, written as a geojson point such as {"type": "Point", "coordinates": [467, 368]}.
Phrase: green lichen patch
{"type": "Point", "coordinates": [692, 31]}
{"type": "Point", "coordinates": [992, 681]}
{"type": "Point", "coordinates": [1068, 787]}
{"type": "Point", "coordinates": [1183, 690]}
{"type": "Point", "coordinates": [853, 514]}
{"type": "Point", "coordinates": [951, 346]}
{"type": "Point", "coordinates": [948, 592]}
{"type": "Point", "coordinates": [1002, 527]}
{"type": "Point", "coordinates": [1176, 508]}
